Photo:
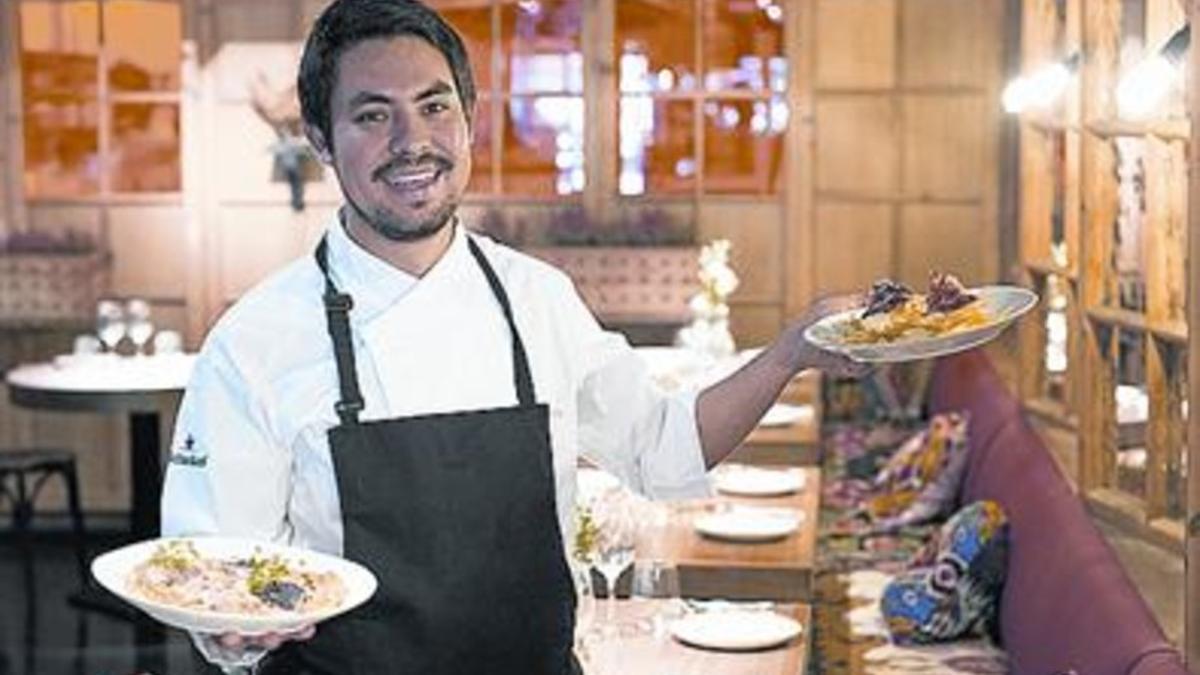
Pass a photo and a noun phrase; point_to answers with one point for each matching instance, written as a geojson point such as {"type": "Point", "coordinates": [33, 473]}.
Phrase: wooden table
{"type": "Point", "coordinates": [141, 387]}
{"type": "Point", "coordinates": [708, 568]}
{"type": "Point", "coordinates": [629, 654]}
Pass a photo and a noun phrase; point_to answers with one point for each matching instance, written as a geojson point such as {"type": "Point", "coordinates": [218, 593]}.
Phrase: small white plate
{"type": "Point", "coordinates": [748, 524]}
{"type": "Point", "coordinates": [736, 630]}
{"type": "Point", "coordinates": [112, 570]}
{"type": "Point", "coordinates": [783, 414]}
{"type": "Point", "coordinates": [1005, 304]}
{"type": "Point", "coordinates": [752, 481]}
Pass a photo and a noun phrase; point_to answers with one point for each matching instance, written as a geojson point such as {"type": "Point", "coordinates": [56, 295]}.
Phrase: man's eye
{"type": "Point", "coordinates": [435, 107]}
{"type": "Point", "coordinates": [370, 116]}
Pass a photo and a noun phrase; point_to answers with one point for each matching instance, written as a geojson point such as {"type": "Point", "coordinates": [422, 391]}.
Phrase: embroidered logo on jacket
{"type": "Point", "coordinates": [188, 455]}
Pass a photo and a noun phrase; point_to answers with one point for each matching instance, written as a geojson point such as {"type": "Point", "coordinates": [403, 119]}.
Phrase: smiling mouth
{"type": "Point", "coordinates": [413, 180]}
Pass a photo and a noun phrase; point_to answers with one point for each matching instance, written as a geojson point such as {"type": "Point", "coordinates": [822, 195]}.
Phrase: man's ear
{"type": "Point", "coordinates": [319, 144]}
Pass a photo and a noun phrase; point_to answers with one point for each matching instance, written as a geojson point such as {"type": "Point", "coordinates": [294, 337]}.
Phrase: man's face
{"type": "Point", "coordinates": [401, 144]}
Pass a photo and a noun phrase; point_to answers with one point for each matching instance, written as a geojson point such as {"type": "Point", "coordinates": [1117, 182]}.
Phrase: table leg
{"type": "Point", "coordinates": [145, 469]}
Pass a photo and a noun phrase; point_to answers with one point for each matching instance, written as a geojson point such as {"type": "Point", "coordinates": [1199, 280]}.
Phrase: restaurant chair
{"type": "Point", "coordinates": [23, 474]}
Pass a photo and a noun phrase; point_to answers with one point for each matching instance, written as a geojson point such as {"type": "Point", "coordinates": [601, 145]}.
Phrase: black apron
{"type": "Point", "coordinates": [455, 514]}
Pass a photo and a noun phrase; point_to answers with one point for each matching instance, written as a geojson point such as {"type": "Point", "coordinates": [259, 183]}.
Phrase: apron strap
{"type": "Point", "coordinates": [337, 319]}
{"type": "Point", "coordinates": [521, 376]}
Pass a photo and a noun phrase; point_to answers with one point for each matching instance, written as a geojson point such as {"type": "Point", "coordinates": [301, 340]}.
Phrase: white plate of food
{"type": "Point", "coordinates": [748, 524]}
{"type": "Point", "coordinates": [224, 584]}
{"type": "Point", "coordinates": [898, 324]}
{"type": "Point", "coordinates": [736, 629]}
{"type": "Point", "coordinates": [784, 414]}
{"type": "Point", "coordinates": [753, 481]}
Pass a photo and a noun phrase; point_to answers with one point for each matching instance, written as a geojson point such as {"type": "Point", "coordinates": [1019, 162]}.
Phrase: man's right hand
{"type": "Point", "coordinates": [232, 649]}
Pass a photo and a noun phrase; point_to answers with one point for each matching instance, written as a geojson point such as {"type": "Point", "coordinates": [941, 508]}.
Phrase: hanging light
{"type": "Point", "coordinates": [1041, 88]}
{"type": "Point", "coordinates": [1142, 89]}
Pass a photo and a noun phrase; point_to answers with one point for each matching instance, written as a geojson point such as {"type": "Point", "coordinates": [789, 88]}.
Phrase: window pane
{"type": "Point", "coordinates": [543, 146]}
{"type": "Point", "coordinates": [743, 148]}
{"type": "Point", "coordinates": [1057, 344]}
{"type": "Point", "coordinates": [481, 149]}
{"type": "Point", "coordinates": [743, 45]}
{"type": "Point", "coordinates": [474, 25]}
{"type": "Point", "coordinates": [1177, 467]}
{"type": "Point", "coordinates": [1127, 235]}
{"type": "Point", "coordinates": [657, 146]}
{"type": "Point", "coordinates": [542, 45]}
{"type": "Point", "coordinates": [1133, 410]}
{"type": "Point", "coordinates": [59, 71]}
{"type": "Point", "coordinates": [145, 147]}
{"type": "Point", "coordinates": [142, 40]}
{"type": "Point", "coordinates": [655, 45]}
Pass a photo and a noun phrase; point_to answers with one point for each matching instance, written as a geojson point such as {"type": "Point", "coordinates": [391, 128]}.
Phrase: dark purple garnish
{"type": "Point", "coordinates": [946, 294]}
{"type": "Point", "coordinates": [282, 594]}
{"type": "Point", "coordinates": [886, 295]}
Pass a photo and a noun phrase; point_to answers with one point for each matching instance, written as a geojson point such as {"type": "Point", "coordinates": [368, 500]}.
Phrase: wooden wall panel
{"type": "Point", "coordinates": [855, 246]}
{"type": "Point", "coordinates": [256, 241]}
{"type": "Point", "coordinates": [937, 237]}
{"type": "Point", "coordinates": [856, 44]}
{"type": "Point", "coordinates": [945, 143]}
{"type": "Point", "coordinates": [957, 57]}
{"type": "Point", "coordinates": [149, 247]}
{"type": "Point", "coordinates": [756, 325]}
{"type": "Point", "coordinates": [757, 252]}
{"type": "Point", "coordinates": [857, 145]}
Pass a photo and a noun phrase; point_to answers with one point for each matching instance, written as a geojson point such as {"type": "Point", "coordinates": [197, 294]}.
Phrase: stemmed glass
{"type": "Point", "coordinates": [139, 326]}
{"type": "Point", "coordinates": [657, 580]}
{"type": "Point", "coordinates": [110, 324]}
{"type": "Point", "coordinates": [616, 541]}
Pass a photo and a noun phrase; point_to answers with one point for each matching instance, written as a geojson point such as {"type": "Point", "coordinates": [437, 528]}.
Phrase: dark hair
{"type": "Point", "coordinates": [346, 23]}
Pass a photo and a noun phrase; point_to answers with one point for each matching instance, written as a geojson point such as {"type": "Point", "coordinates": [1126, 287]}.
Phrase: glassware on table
{"type": "Point", "coordinates": [168, 342]}
{"type": "Point", "coordinates": [110, 323]}
{"type": "Point", "coordinates": [615, 544]}
{"type": "Point", "coordinates": [138, 324]}
{"type": "Point", "coordinates": [657, 580]}
{"type": "Point", "coordinates": [585, 608]}
{"type": "Point", "coordinates": [86, 345]}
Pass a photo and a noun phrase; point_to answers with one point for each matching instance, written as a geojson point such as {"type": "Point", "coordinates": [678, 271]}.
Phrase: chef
{"type": "Point", "coordinates": [415, 397]}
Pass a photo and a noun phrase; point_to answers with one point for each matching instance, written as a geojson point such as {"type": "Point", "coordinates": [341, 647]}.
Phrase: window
{"type": "Point", "coordinates": [101, 92]}
{"type": "Point", "coordinates": [701, 87]}
{"type": "Point", "coordinates": [528, 63]}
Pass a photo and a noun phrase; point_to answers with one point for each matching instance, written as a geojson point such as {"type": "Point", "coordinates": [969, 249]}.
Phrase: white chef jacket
{"type": "Point", "coordinates": [250, 455]}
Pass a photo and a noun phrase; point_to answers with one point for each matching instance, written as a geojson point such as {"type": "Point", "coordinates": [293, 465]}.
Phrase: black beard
{"type": "Point", "coordinates": [392, 228]}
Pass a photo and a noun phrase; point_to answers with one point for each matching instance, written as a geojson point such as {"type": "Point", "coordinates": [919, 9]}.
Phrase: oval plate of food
{"type": "Point", "coordinates": [899, 325]}
{"type": "Point", "coordinates": [224, 584]}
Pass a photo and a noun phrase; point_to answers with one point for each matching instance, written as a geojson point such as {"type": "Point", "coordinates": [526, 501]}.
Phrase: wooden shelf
{"type": "Point", "coordinates": [1167, 129]}
{"type": "Point", "coordinates": [1172, 332]}
{"type": "Point", "coordinates": [1052, 412]}
{"type": "Point", "coordinates": [1123, 318]}
{"type": "Point", "coordinates": [1048, 267]}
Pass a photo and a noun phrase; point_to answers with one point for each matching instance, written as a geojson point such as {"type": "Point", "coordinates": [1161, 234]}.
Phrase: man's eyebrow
{"type": "Point", "coordinates": [365, 97]}
{"type": "Point", "coordinates": [439, 88]}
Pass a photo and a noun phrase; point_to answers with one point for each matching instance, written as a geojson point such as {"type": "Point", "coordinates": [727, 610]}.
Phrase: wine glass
{"type": "Point", "coordinates": [585, 608]}
{"type": "Point", "coordinates": [615, 544]}
{"type": "Point", "coordinates": [657, 580]}
{"type": "Point", "coordinates": [138, 325]}
{"type": "Point", "coordinates": [110, 324]}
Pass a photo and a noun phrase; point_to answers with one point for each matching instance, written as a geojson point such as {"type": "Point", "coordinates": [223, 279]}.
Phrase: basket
{"type": "Point", "coordinates": [51, 289]}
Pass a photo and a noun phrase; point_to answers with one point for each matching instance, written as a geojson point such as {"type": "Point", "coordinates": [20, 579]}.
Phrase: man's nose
{"type": "Point", "coordinates": [409, 136]}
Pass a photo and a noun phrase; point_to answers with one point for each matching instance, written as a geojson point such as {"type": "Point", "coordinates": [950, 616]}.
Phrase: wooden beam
{"type": "Point", "coordinates": [1192, 619]}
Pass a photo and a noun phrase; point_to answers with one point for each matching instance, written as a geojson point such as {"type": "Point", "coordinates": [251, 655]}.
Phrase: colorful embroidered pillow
{"type": "Point", "coordinates": [960, 590]}
{"type": "Point", "coordinates": [920, 482]}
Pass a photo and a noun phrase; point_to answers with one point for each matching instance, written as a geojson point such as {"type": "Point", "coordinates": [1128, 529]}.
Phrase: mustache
{"type": "Point", "coordinates": [428, 159]}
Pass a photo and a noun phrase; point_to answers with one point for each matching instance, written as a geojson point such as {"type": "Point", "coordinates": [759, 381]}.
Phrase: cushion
{"type": "Point", "coordinates": [921, 480]}
{"type": "Point", "coordinates": [958, 590]}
